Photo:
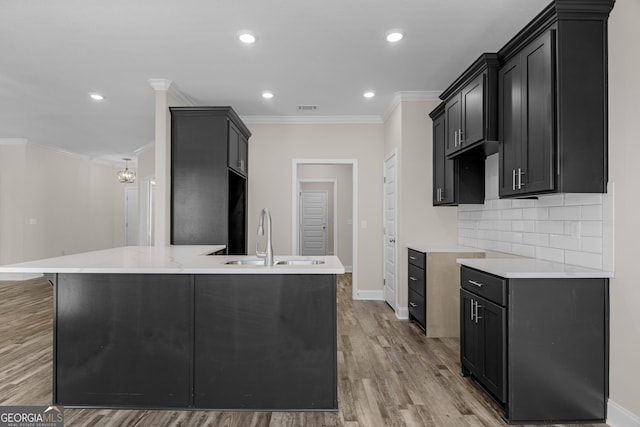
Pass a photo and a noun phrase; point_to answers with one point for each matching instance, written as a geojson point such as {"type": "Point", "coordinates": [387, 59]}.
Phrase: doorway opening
{"type": "Point", "coordinates": [345, 173]}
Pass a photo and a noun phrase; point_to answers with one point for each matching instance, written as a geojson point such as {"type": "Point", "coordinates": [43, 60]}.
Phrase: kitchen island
{"type": "Point", "coordinates": [174, 327]}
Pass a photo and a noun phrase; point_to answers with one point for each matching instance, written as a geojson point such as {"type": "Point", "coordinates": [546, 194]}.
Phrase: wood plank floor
{"type": "Point", "coordinates": [389, 374]}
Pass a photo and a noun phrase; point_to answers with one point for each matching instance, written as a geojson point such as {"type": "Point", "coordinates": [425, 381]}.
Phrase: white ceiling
{"type": "Point", "coordinates": [309, 52]}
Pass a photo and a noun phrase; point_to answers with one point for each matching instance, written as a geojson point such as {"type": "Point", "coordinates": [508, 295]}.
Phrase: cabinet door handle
{"type": "Point", "coordinates": [471, 311]}
{"type": "Point", "coordinates": [412, 258]}
{"type": "Point", "coordinates": [477, 307]}
{"type": "Point", "coordinates": [455, 138]}
{"type": "Point", "coordinates": [473, 282]}
{"type": "Point", "coordinates": [413, 304]}
{"type": "Point", "coordinates": [513, 180]}
{"type": "Point", "coordinates": [412, 278]}
{"type": "Point", "coordinates": [460, 138]}
{"type": "Point", "coordinates": [520, 173]}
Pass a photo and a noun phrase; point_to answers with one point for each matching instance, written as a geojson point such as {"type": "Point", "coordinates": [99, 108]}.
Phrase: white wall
{"type": "Point", "coordinates": [55, 204]}
{"type": "Point", "coordinates": [273, 147]}
{"type": "Point", "coordinates": [624, 152]}
{"type": "Point", "coordinates": [408, 130]}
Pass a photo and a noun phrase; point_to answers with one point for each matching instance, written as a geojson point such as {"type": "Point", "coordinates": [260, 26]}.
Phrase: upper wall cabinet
{"type": "Point", "coordinates": [209, 178]}
{"type": "Point", "coordinates": [455, 181]}
{"type": "Point", "coordinates": [553, 102]}
{"type": "Point", "coordinates": [471, 109]}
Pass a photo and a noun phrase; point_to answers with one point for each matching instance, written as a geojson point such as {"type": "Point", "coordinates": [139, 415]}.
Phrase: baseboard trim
{"type": "Point", "coordinates": [370, 295]}
{"type": "Point", "coordinates": [618, 416]}
{"type": "Point", "coordinates": [402, 313]}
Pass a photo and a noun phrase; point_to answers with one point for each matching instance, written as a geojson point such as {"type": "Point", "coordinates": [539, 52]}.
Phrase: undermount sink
{"type": "Point", "coordinates": [299, 262]}
{"type": "Point", "coordinates": [281, 262]}
{"type": "Point", "coordinates": [245, 262]}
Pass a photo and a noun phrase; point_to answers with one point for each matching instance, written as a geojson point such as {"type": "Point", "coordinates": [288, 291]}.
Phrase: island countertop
{"type": "Point", "coordinates": [168, 260]}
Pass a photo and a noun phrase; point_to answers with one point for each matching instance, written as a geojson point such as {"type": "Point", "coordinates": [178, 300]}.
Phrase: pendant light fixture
{"type": "Point", "coordinates": [126, 175]}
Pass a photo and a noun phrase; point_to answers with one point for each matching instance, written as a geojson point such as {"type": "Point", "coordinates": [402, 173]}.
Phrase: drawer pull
{"type": "Point", "coordinates": [413, 304]}
{"type": "Point", "coordinates": [473, 282]}
{"type": "Point", "coordinates": [412, 258]}
{"type": "Point", "coordinates": [412, 278]}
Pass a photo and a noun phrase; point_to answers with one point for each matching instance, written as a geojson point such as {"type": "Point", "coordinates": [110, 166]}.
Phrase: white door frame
{"type": "Point", "coordinates": [354, 210]}
{"type": "Point", "coordinates": [334, 183]}
{"type": "Point", "coordinates": [393, 153]}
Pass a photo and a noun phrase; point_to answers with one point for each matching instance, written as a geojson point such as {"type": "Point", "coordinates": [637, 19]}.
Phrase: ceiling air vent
{"type": "Point", "coordinates": [307, 107]}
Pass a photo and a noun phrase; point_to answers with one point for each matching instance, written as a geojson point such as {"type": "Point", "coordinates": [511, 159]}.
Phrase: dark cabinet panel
{"type": "Point", "coordinates": [123, 340]}
{"type": "Point", "coordinates": [208, 195]}
{"type": "Point", "coordinates": [473, 111]}
{"type": "Point", "coordinates": [455, 181]}
{"type": "Point", "coordinates": [543, 352]}
{"type": "Point", "coordinates": [265, 342]}
{"type": "Point", "coordinates": [483, 342]}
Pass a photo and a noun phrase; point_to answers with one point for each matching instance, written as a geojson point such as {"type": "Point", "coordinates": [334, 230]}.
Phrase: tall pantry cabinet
{"type": "Point", "coordinates": [209, 147]}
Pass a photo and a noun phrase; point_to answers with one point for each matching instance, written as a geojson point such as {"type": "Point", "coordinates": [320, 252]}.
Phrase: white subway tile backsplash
{"type": "Point", "coordinates": [551, 200]}
{"type": "Point", "coordinates": [535, 213]}
{"type": "Point", "coordinates": [550, 254]}
{"type": "Point", "coordinates": [568, 228]}
{"type": "Point", "coordinates": [592, 244]}
{"type": "Point", "coordinates": [583, 259]}
{"type": "Point", "coordinates": [591, 228]}
{"type": "Point", "coordinates": [523, 250]}
{"type": "Point", "coordinates": [582, 199]}
{"type": "Point", "coordinates": [564, 242]}
{"type": "Point", "coordinates": [550, 227]}
{"type": "Point", "coordinates": [564, 212]}
{"type": "Point", "coordinates": [591, 212]}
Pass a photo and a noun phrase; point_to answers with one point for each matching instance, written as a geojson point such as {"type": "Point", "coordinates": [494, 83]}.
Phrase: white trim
{"type": "Point", "coordinates": [354, 209]}
{"type": "Point", "coordinates": [618, 416]}
{"type": "Point", "coordinates": [165, 85]}
{"type": "Point", "coordinates": [410, 96]}
{"type": "Point", "coordinates": [334, 182]}
{"type": "Point", "coordinates": [402, 313]}
{"type": "Point", "coordinates": [348, 269]}
{"type": "Point", "coordinates": [369, 295]}
{"type": "Point", "coordinates": [312, 119]}
{"type": "Point", "coordinates": [393, 153]}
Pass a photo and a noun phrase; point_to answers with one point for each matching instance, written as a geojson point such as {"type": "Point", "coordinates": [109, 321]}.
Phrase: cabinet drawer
{"type": "Point", "coordinates": [483, 284]}
{"type": "Point", "coordinates": [416, 279]}
{"type": "Point", "coordinates": [417, 258]}
{"type": "Point", "coordinates": [416, 307]}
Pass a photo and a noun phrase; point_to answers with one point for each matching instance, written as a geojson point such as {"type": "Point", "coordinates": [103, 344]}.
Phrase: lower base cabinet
{"type": "Point", "coordinates": [540, 347]}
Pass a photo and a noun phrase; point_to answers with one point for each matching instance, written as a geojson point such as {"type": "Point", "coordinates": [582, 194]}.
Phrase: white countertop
{"type": "Point", "coordinates": [167, 260]}
{"type": "Point", "coordinates": [532, 268]}
{"type": "Point", "coordinates": [444, 249]}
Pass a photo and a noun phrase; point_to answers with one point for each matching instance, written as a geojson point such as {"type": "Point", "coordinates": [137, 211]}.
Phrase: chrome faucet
{"type": "Point", "coordinates": [268, 252]}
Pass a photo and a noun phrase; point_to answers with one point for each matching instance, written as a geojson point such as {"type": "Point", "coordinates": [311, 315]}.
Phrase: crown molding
{"type": "Point", "coordinates": [166, 85]}
{"type": "Point", "coordinates": [410, 96]}
{"type": "Point", "coordinates": [312, 119]}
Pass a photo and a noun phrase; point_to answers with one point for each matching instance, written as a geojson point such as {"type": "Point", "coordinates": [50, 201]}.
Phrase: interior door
{"type": "Point", "coordinates": [313, 222]}
{"type": "Point", "coordinates": [131, 216]}
{"type": "Point", "coordinates": [390, 231]}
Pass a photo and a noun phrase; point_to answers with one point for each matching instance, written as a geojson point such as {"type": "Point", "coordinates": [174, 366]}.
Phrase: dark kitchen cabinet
{"type": "Point", "coordinates": [471, 108]}
{"type": "Point", "coordinates": [539, 346]}
{"type": "Point", "coordinates": [455, 181]}
{"type": "Point", "coordinates": [238, 150]}
{"type": "Point", "coordinates": [265, 342]}
{"type": "Point", "coordinates": [482, 344]}
{"type": "Point", "coordinates": [552, 89]}
{"type": "Point", "coordinates": [417, 290]}
{"type": "Point", "coordinates": [209, 178]}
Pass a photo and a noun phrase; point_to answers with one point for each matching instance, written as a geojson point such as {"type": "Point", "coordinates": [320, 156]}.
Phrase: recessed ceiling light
{"type": "Point", "coordinates": [96, 96]}
{"type": "Point", "coordinates": [394, 36]}
{"type": "Point", "coordinates": [369, 94]}
{"type": "Point", "coordinates": [267, 95]}
{"type": "Point", "coordinates": [247, 38]}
